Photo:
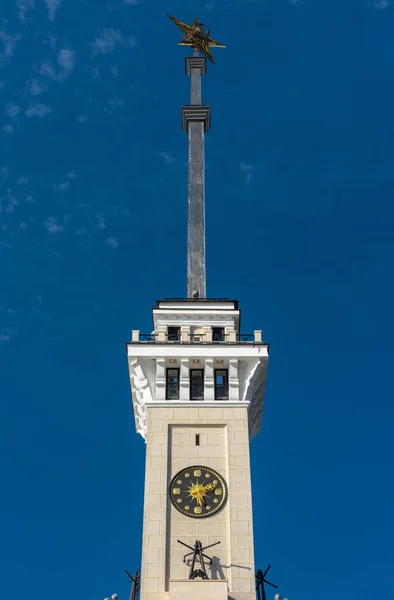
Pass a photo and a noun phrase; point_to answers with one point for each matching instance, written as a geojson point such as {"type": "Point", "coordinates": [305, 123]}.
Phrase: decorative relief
{"type": "Point", "coordinates": [254, 392]}
{"type": "Point", "coordinates": [141, 393]}
{"type": "Point", "coordinates": [246, 383]}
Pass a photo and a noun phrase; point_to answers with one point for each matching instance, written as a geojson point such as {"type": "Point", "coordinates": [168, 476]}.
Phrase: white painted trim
{"type": "Point", "coordinates": [197, 404]}
{"type": "Point", "coordinates": [156, 350]}
{"type": "Point", "coordinates": [195, 306]}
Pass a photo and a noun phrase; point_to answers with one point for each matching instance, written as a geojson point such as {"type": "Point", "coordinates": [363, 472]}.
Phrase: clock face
{"type": "Point", "coordinates": [198, 492]}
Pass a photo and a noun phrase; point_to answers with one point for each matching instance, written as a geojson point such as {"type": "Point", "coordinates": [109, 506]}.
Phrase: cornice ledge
{"type": "Point", "coordinates": [194, 403]}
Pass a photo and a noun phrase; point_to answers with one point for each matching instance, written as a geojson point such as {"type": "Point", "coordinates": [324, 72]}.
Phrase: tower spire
{"type": "Point", "coordinates": [195, 122]}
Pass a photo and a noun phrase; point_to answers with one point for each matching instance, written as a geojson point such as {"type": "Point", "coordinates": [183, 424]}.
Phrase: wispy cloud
{"type": "Point", "coordinates": [24, 6]}
{"type": "Point", "coordinates": [12, 110]}
{"type": "Point", "coordinates": [52, 6]}
{"type": "Point", "coordinates": [167, 157]}
{"type": "Point", "coordinates": [8, 129]}
{"type": "Point", "coordinates": [7, 42]}
{"type": "Point", "coordinates": [9, 311]}
{"type": "Point", "coordinates": [35, 88]}
{"type": "Point", "coordinates": [61, 187]}
{"type": "Point", "coordinates": [6, 334]}
{"type": "Point", "coordinates": [82, 119]}
{"type": "Point", "coordinates": [100, 221]}
{"type": "Point", "coordinates": [8, 202]}
{"type": "Point", "coordinates": [22, 180]}
{"type": "Point", "coordinates": [112, 242]}
{"type": "Point", "coordinates": [66, 61]}
{"type": "Point", "coordinates": [38, 110]}
{"type": "Point", "coordinates": [210, 6]}
{"type": "Point", "coordinates": [81, 232]}
{"type": "Point", "coordinates": [48, 70]}
{"type": "Point", "coordinates": [379, 3]}
{"type": "Point", "coordinates": [108, 39]}
{"type": "Point", "coordinates": [53, 226]}
{"type": "Point", "coordinates": [247, 169]}
{"type": "Point", "coordinates": [114, 104]}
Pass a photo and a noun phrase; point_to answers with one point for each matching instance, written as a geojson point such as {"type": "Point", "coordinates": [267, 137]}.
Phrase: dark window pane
{"type": "Point", "coordinates": [196, 384]}
{"type": "Point", "coordinates": [174, 334]}
{"type": "Point", "coordinates": [218, 334]}
{"type": "Point", "coordinates": [221, 384]}
{"type": "Point", "coordinates": [172, 392]}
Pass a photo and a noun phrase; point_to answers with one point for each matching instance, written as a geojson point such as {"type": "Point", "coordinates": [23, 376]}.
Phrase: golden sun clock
{"type": "Point", "coordinates": [198, 492]}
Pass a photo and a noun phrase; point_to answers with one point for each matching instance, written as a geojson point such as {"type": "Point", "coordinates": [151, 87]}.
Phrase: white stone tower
{"type": "Point", "coordinates": [197, 389]}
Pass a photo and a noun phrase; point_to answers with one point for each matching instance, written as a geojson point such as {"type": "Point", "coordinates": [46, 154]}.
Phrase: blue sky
{"type": "Point", "coordinates": [300, 224]}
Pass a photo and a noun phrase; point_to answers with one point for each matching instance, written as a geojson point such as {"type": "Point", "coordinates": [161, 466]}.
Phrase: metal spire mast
{"type": "Point", "coordinates": [196, 121]}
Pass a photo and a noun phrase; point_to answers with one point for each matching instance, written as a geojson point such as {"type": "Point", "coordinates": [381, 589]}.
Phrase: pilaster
{"type": "Point", "coordinates": [160, 379]}
{"type": "Point", "coordinates": [209, 393]}
{"type": "Point", "coordinates": [184, 391]}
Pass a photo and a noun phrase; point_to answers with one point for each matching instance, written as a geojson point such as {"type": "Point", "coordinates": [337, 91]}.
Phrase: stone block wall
{"type": "Point", "coordinates": [224, 446]}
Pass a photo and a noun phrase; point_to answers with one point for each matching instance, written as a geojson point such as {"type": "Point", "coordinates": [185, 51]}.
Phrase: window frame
{"type": "Point", "coordinates": [167, 382]}
{"type": "Point", "coordinates": [216, 386]}
{"type": "Point", "coordinates": [191, 387]}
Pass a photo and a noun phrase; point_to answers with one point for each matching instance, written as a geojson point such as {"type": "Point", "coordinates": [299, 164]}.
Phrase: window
{"type": "Point", "coordinates": [172, 384]}
{"type": "Point", "coordinates": [174, 334]}
{"type": "Point", "coordinates": [197, 439]}
{"type": "Point", "coordinates": [218, 334]}
{"type": "Point", "coordinates": [196, 384]}
{"type": "Point", "coordinates": [221, 384]}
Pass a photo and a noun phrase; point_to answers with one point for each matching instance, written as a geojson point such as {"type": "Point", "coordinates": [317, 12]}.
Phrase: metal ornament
{"type": "Point", "coordinates": [260, 581]}
{"type": "Point", "coordinates": [197, 36]}
{"type": "Point", "coordinates": [136, 585]}
{"type": "Point", "coordinates": [198, 555]}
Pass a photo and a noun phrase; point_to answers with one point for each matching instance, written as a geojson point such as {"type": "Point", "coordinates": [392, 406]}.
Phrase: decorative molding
{"type": "Point", "coordinates": [195, 62]}
{"type": "Point", "coordinates": [197, 403]}
{"type": "Point", "coordinates": [247, 366]}
{"type": "Point", "coordinates": [194, 113]}
{"type": "Point", "coordinates": [254, 393]}
{"type": "Point", "coordinates": [140, 394]}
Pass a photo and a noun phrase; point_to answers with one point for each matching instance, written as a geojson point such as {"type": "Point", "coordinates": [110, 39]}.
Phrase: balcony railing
{"type": "Point", "coordinates": [147, 337]}
{"type": "Point", "coordinates": [197, 338]}
{"type": "Point", "coordinates": [218, 338]}
{"type": "Point", "coordinates": [245, 338]}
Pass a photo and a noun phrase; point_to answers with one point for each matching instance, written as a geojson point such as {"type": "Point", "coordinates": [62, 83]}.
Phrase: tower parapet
{"type": "Point", "coordinates": [197, 335]}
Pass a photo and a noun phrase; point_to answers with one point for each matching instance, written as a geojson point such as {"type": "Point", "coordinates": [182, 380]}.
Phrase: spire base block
{"type": "Point", "coordinates": [195, 62]}
{"type": "Point", "coordinates": [196, 113]}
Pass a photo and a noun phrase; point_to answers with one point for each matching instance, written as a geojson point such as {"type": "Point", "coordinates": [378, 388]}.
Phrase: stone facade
{"type": "Point", "coordinates": [224, 446]}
